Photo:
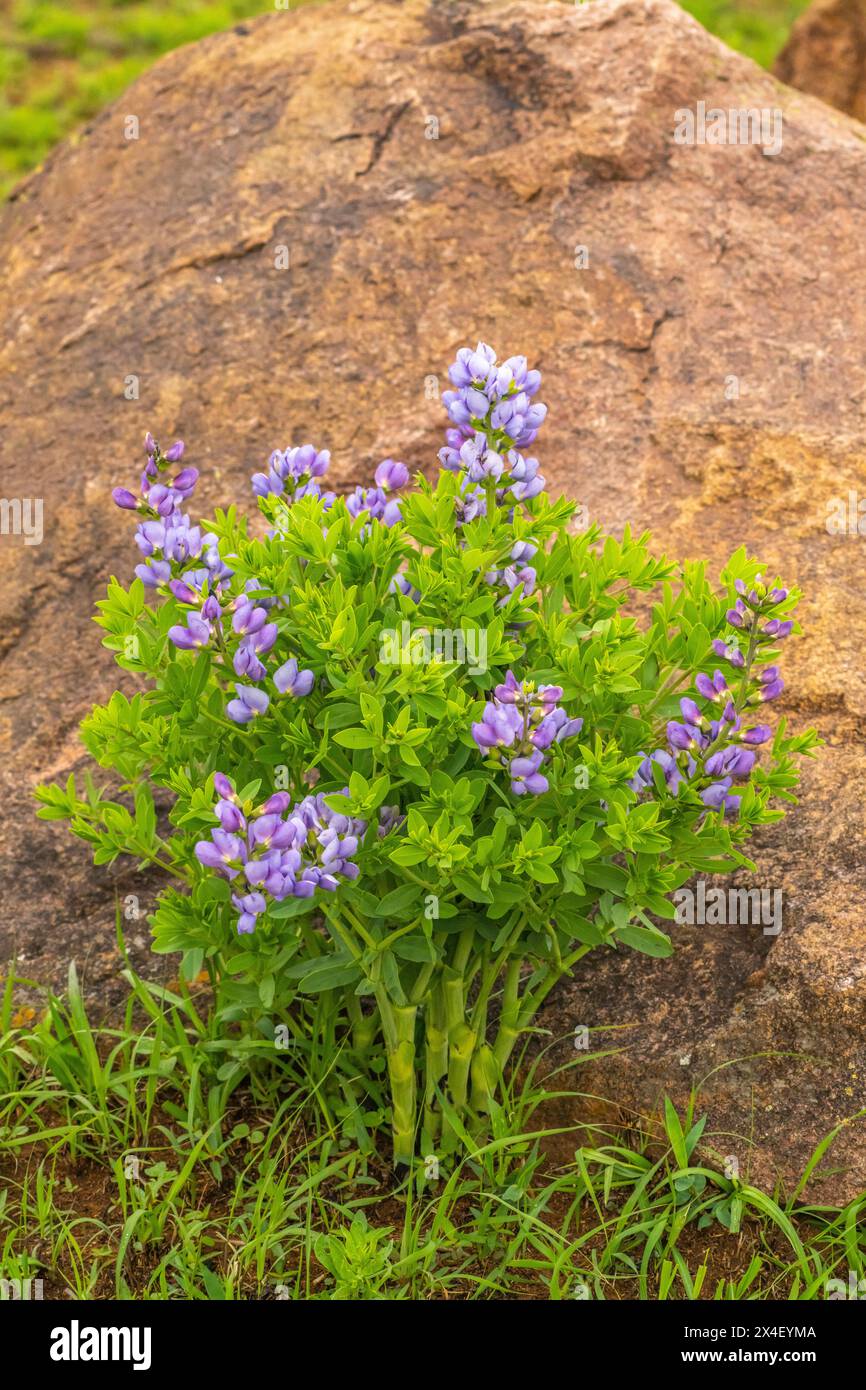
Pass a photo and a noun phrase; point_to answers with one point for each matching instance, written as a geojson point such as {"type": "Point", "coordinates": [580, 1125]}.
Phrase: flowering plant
{"type": "Point", "coordinates": [408, 753]}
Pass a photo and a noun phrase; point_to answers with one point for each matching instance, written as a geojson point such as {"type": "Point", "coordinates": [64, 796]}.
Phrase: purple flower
{"type": "Point", "coordinates": [250, 906]}
{"type": "Point", "coordinates": [289, 680]}
{"type": "Point", "coordinates": [248, 618]}
{"type": "Point", "coordinates": [733, 761]}
{"type": "Point", "coordinates": [246, 663]}
{"type": "Point", "coordinates": [555, 727]}
{"type": "Point", "coordinates": [175, 453]}
{"type": "Point", "coordinates": [391, 476]}
{"type": "Point", "coordinates": [223, 851]}
{"type": "Point", "coordinates": [718, 798]}
{"type": "Point", "coordinates": [223, 786]}
{"type": "Point", "coordinates": [374, 501]}
{"type": "Point", "coordinates": [736, 616]}
{"type": "Point", "coordinates": [249, 703]}
{"type": "Point", "coordinates": [231, 818]}
{"type": "Point", "coordinates": [197, 633]}
{"type": "Point", "coordinates": [525, 776]}
{"type": "Point", "coordinates": [674, 774]}
{"type": "Point", "coordinates": [124, 498]}
{"type": "Point", "coordinates": [401, 585]}
{"type": "Point", "coordinates": [759, 734]}
{"type": "Point", "coordinates": [550, 694]}
{"type": "Point", "coordinates": [390, 819]}
{"type": "Point", "coordinates": [185, 481]}
{"type": "Point", "coordinates": [530, 721]}
{"type": "Point", "coordinates": [499, 726]}
{"type": "Point", "coordinates": [690, 712]}
{"type": "Point", "coordinates": [715, 689]}
{"type": "Point", "coordinates": [285, 851]}
{"type": "Point", "coordinates": [730, 653]}
{"type": "Point", "coordinates": [154, 574]}
{"type": "Point", "coordinates": [294, 472]}
{"type": "Point", "coordinates": [685, 736]}
{"type": "Point", "coordinates": [769, 692]}
{"type": "Point", "coordinates": [510, 690]}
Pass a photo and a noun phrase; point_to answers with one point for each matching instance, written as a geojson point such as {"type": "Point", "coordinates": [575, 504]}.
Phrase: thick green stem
{"type": "Point", "coordinates": [401, 1072]}
{"type": "Point", "coordinates": [509, 1018]}
{"type": "Point", "coordinates": [485, 1078]}
{"type": "Point", "coordinates": [436, 1059]}
{"type": "Point", "coordinates": [461, 1039]}
{"type": "Point", "coordinates": [364, 1026]}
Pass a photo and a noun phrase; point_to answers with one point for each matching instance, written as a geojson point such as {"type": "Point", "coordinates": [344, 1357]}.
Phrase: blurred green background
{"type": "Point", "coordinates": [61, 63]}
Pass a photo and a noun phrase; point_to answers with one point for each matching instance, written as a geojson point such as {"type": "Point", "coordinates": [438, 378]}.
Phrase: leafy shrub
{"type": "Point", "coordinates": [418, 755]}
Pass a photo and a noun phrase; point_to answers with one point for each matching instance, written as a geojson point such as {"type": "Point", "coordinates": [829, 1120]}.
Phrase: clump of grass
{"type": "Point", "coordinates": [153, 1157]}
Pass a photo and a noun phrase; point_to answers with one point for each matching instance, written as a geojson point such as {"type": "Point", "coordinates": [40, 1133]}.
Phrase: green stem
{"type": "Point", "coordinates": [436, 1058]}
{"type": "Point", "coordinates": [485, 1078]}
{"type": "Point", "coordinates": [461, 1038]}
{"type": "Point", "coordinates": [509, 1018]}
{"type": "Point", "coordinates": [364, 1026]}
{"type": "Point", "coordinates": [401, 1072]}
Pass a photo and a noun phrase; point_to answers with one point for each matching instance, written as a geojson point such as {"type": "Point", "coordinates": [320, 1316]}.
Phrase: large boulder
{"type": "Point", "coordinates": [826, 54]}
{"type": "Point", "coordinates": [703, 364]}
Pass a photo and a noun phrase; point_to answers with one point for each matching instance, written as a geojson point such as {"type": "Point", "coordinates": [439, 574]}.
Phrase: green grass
{"type": "Point", "coordinates": [758, 28]}
{"type": "Point", "coordinates": [164, 1156]}
{"type": "Point", "coordinates": [60, 64]}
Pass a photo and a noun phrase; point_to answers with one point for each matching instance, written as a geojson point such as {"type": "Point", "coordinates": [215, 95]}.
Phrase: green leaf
{"type": "Point", "coordinates": [399, 901]}
{"type": "Point", "coordinates": [675, 1134]}
{"type": "Point", "coordinates": [356, 738]}
{"type": "Point", "coordinates": [648, 941]}
{"type": "Point", "coordinates": [470, 886]}
{"type": "Point", "coordinates": [607, 876]}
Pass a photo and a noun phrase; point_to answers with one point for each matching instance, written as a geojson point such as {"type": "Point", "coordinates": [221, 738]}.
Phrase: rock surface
{"type": "Point", "coordinates": [826, 55]}
{"type": "Point", "coordinates": [704, 373]}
